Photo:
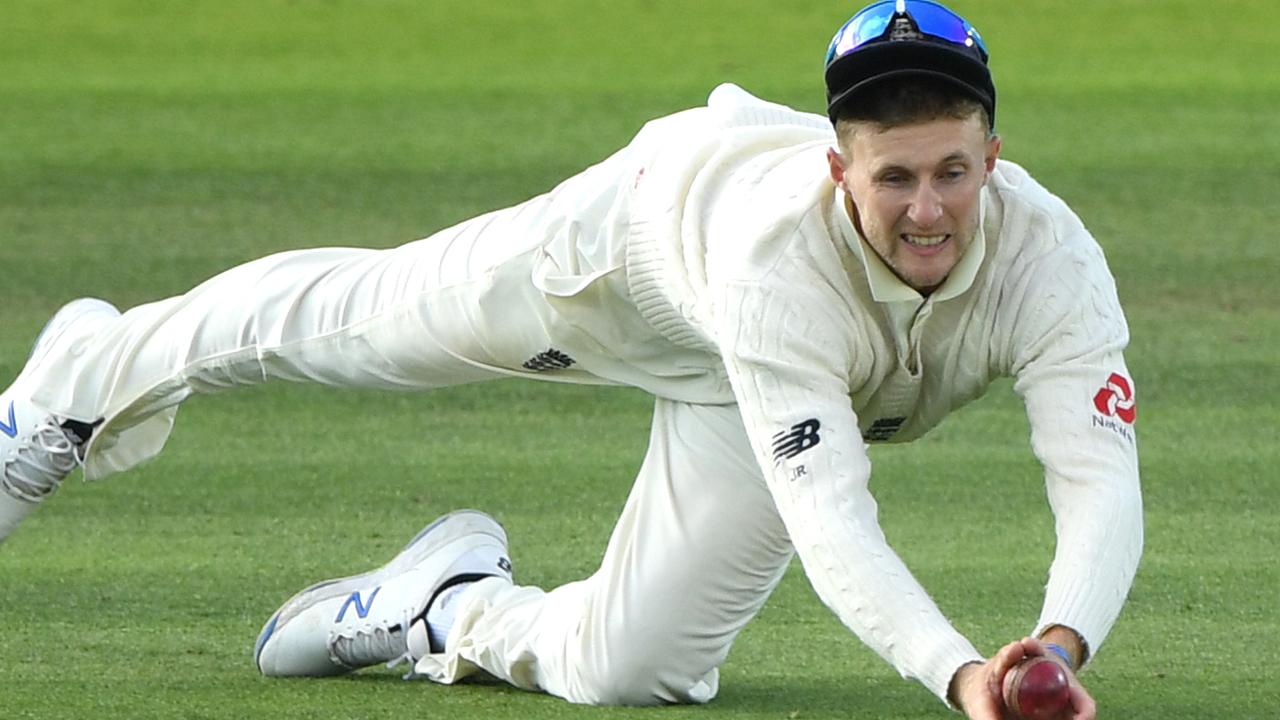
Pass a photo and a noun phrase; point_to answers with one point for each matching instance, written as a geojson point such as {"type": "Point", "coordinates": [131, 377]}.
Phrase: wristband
{"type": "Point", "coordinates": [1060, 652]}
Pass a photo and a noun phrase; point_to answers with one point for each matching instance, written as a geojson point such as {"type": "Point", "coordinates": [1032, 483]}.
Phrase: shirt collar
{"type": "Point", "coordinates": [885, 285]}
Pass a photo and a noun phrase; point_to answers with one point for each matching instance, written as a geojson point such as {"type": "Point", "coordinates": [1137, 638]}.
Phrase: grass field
{"type": "Point", "coordinates": [146, 145]}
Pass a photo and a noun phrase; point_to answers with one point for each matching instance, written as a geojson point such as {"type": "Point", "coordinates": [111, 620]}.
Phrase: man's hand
{"type": "Point", "coordinates": [977, 687]}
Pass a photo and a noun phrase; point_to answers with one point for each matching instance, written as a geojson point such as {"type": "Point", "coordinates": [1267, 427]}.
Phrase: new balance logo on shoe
{"type": "Point", "coordinates": [504, 564]}
{"type": "Point", "coordinates": [795, 440]}
{"type": "Point", "coordinates": [317, 631]}
{"type": "Point", "coordinates": [549, 359]}
{"type": "Point", "coordinates": [10, 428]}
{"type": "Point", "coordinates": [362, 609]}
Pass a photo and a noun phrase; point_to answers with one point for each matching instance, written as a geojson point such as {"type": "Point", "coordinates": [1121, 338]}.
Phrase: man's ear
{"type": "Point", "coordinates": [993, 152]}
{"type": "Point", "coordinates": [835, 165]}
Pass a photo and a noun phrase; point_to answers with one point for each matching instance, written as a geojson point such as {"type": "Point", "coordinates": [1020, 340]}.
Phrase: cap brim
{"type": "Point", "coordinates": [876, 62]}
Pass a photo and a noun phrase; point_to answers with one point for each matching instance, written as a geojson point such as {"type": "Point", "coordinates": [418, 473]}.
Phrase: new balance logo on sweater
{"type": "Point", "coordinates": [883, 429]}
{"type": "Point", "coordinates": [795, 440]}
{"type": "Point", "coordinates": [550, 359]}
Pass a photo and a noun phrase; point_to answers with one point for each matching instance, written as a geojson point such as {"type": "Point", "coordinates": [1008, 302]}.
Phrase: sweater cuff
{"type": "Point", "coordinates": [940, 665]}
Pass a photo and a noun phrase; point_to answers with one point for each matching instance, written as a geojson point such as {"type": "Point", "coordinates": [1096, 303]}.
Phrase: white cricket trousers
{"type": "Point", "coordinates": [698, 548]}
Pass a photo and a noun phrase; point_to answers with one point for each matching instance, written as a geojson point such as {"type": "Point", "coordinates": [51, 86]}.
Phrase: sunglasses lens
{"type": "Point", "coordinates": [934, 19]}
{"type": "Point", "coordinates": [931, 18]}
{"type": "Point", "coordinates": [869, 24]}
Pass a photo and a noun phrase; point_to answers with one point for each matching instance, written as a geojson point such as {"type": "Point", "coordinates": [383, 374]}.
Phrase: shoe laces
{"type": "Point", "coordinates": [373, 644]}
{"type": "Point", "coordinates": [39, 465]}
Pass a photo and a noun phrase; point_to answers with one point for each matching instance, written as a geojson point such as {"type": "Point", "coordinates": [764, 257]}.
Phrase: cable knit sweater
{"type": "Point", "coordinates": [741, 244]}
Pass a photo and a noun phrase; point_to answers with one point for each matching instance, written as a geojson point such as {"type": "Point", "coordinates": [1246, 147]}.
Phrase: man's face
{"type": "Point", "coordinates": [915, 191]}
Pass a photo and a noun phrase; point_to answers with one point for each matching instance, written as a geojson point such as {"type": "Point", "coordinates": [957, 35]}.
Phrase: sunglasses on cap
{"type": "Point", "coordinates": [877, 22]}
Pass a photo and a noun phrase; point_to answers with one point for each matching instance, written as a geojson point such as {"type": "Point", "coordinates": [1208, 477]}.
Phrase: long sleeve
{"type": "Point", "coordinates": [1081, 403]}
{"type": "Point", "coordinates": [788, 360]}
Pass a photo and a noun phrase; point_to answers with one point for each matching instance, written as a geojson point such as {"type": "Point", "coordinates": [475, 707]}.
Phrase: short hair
{"type": "Point", "coordinates": [908, 101]}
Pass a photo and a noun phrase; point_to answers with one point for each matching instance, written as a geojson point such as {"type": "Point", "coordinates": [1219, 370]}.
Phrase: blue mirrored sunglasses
{"type": "Point", "coordinates": [931, 18]}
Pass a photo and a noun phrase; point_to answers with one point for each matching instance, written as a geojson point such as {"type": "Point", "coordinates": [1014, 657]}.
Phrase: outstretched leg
{"type": "Point", "coordinates": [421, 316]}
{"type": "Point", "coordinates": [352, 317]}
{"type": "Point", "coordinates": [457, 307]}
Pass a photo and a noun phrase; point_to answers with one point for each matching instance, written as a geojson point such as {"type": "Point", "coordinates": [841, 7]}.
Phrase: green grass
{"type": "Point", "coordinates": [147, 145]}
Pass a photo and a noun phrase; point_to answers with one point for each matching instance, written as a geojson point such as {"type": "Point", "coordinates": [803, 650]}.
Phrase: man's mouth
{"type": "Point", "coordinates": [925, 243]}
{"type": "Point", "coordinates": [925, 240]}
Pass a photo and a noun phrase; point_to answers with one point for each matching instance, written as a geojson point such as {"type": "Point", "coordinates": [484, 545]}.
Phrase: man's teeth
{"type": "Point", "coordinates": [925, 240]}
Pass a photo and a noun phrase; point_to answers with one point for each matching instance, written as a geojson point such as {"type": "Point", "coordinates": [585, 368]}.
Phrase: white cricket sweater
{"type": "Point", "coordinates": [741, 245]}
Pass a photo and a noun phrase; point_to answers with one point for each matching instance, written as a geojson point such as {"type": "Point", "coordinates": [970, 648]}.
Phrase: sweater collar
{"type": "Point", "coordinates": [885, 286]}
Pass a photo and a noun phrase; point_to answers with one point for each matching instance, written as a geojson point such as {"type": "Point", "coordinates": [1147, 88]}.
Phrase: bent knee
{"type": "Point", "coordinates": [639, 680]}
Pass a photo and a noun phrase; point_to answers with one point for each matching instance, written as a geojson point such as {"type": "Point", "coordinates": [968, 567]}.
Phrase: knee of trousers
{"type": "Point", "coordinates": [630, 675]}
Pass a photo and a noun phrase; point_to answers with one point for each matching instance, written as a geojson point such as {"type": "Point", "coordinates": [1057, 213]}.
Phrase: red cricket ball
{"type": "Point", "coordinates": [1036, 689]}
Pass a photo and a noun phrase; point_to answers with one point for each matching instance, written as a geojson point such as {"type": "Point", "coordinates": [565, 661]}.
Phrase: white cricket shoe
{"type": "Point", "coordinates": [345, 624]}
{"type": "Point", "coordinates": [38, 449]}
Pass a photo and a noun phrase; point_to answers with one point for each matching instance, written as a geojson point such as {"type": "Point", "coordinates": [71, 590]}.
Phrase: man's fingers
{"type": "Point", "coordinates": [1082, 705]}
{"type": "Point", "coordinates": [1010, 654]}
{"type": "Point", "coordinates": [995, 670]}
{"type": "Point", "coordinates": [983, 706]}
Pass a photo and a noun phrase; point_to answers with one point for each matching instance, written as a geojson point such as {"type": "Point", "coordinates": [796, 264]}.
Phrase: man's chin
{"type": "Point", "coordinates": [930, 277]}
{"type": "Point", "coordinates": [925, 282]}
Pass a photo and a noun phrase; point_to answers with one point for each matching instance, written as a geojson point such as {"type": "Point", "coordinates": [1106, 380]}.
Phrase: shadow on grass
{"type": "Point", "coordinates": [800, 698]}
{"type": "Point", "coordinates": [795, 698]}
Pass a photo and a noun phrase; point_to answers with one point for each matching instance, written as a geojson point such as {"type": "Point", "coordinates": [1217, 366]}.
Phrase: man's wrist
{"type": "Point", "coordinates": [1061, 652]}
{"type": "Point", "coordinates": [953, 688]}
{"type": "Point", "coordinates": [1071, 647]}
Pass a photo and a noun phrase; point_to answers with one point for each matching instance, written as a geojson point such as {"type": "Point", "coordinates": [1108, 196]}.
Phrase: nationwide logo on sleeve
{"type": "Point", "coordinates": [1115, 399]}
{"type": "Point", "coordinates": [1117, 406]}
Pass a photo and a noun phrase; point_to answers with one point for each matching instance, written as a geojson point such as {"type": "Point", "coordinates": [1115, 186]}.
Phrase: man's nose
{"type": "Point", "coordinates": [926, 207]}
